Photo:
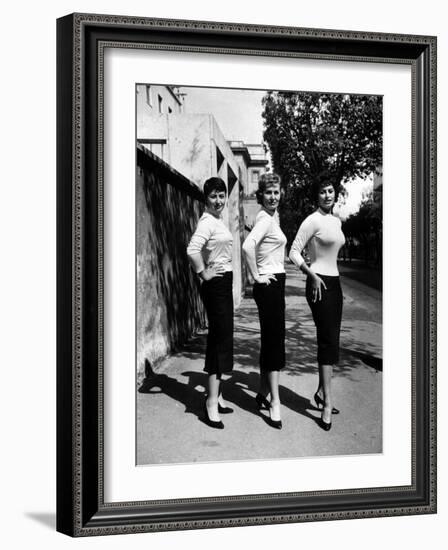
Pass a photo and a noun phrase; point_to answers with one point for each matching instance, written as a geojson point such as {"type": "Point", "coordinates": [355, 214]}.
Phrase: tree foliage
{"type": "Point", "coordinates": [365, 228]}
{"type": "Point", "coordinates": [311, 135]}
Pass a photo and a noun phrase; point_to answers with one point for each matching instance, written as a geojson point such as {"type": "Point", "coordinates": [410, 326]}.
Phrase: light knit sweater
{"type": "Point", "coordinates": [322, 234]}
{"type": "Point", "coordinates": [213, 241]}
{"type": "Point", "coordinates": [268, 241]}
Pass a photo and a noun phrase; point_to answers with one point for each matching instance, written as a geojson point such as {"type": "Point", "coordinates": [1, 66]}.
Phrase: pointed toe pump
{"type": "Point", "coordinates": [275, 417]}
{"type": "Point", "coordinates": [217, 424]}
{"type": "Point", "coordinates": [325, 425]}
{"type": "Point", "coordinates": [223, 408]}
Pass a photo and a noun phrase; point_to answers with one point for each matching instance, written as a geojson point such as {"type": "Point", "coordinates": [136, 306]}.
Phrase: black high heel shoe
{"type": "Point", "coordinates": [222, 409]}
{"type": "Point", "coordinates": [325, 425]}
{"type": "Point", "coordinates": [320, 404]}
{"type": "Point", "coordinates": [274, 423]}
{"type": "Point", "coordinates": [262, 402]}
{"type": "Point", "coordinates": [212, 423]}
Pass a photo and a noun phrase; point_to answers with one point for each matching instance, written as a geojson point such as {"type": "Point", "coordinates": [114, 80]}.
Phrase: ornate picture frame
{"type": "Point", "coordinates": [81, 43]}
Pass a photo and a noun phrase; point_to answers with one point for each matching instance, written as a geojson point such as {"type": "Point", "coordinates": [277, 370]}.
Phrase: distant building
{"type": "Point", "coordinates": [155, 99]}
{"type": "Point", "coordinates": [252, 163]}
{"type": "Point", "coordinates": [152, 101]}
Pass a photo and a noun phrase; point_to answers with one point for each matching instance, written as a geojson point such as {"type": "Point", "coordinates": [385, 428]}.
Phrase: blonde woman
{"type": "Point", "coordinates": [264, 249]}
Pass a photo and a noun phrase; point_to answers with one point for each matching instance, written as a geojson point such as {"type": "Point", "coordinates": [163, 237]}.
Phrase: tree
{"type": "Point", "coordinates": [365, 226]}
{"type": "Point", "coordinates": [312, 135]}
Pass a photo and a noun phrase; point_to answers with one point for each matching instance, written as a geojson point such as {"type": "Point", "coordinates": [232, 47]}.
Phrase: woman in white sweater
{"type": "Point", "coordinates": [210, 252]}
{"type": "Point", "coordinates": [264, 249]}
{"type": "Point", "coordinates": [321, 233]}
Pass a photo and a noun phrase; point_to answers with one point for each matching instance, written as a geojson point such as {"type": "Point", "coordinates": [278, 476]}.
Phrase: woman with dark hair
{"type": "Point", "coordinates": [210, 252]}
{"type": "Point", "coordinates": [264, 249]}
{"type": "Point", "coordinates": [321, 233]}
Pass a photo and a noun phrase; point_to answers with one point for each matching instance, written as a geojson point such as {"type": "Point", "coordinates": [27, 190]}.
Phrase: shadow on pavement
{"type": "Point", "coordinates": [301, 348]}
{"type": "Point", "coordinates": [372, 361]}
{"type": "Point", "coordinates": [235, 390]}
{"type": "Point", "coordinates": [189, 396]}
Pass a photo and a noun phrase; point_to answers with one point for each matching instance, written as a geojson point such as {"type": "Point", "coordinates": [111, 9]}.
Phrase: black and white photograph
{"type": "Point", "coordinates": [191, 361]}
{"type": "Point", "coordinates": [258, 269]}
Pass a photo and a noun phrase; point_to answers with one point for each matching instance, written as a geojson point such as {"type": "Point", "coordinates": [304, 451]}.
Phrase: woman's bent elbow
{"type": "Point", "coordinates": [247, 248]}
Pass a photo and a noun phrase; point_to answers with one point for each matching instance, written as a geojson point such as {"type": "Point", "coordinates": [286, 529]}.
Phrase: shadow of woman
{"type": "Point", "coordinates": [186, 394]}
{"type": "Point", "coordinates": [232, 390]}
{"type": "Point", "coordinates": [295, 402]}
{"type": "Point", "coordinates": [237, 390]}
{"type": "Point", "coordinates": [368, 359]}
{"type": "Point", "coordinates": [298, 404]}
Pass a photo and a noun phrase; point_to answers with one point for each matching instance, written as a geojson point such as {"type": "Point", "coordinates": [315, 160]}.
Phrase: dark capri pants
{"type": "Point", "coordinates": [270, 300]}
{"type": "Point", "coordinates": [218, 300]}
{"type": "Point", "coordinates": [327, 314]}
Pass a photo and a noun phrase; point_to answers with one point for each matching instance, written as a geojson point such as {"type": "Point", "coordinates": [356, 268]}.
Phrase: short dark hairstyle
{"type": "Point", "coordinates": [214, 184]}
{"type": "Point", "coordinates": [265, 181]}
{"type": "Point", "coordinates": [323, 180]}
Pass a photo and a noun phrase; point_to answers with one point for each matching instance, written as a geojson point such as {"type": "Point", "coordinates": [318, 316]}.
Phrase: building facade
{"type": "Point", "coordinates": [252, 163]}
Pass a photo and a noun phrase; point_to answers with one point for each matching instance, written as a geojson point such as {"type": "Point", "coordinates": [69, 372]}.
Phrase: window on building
{"type": "Point", "coordinates": [160, 99]}
{"type": "Point", "coordinates": [255, 176]}
{"type": "Point", "coordinates": [170, 110]}
{"type": "Point", "coordinates": [156, 146]}
{"type": "Point", "coordinates": [158, 149]}
{"type": "Point", "coordinates": [148, 95]}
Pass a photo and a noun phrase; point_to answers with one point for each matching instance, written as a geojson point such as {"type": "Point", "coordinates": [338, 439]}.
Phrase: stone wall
{"type": "Point", "coordinates": [169, 307]}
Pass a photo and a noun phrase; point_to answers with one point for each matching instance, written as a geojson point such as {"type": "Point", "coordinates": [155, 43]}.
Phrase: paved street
{"type": "Point", "coordinates": [170, 426]}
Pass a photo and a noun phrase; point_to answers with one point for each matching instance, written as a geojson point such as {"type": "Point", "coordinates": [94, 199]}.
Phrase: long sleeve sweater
{"type": "Point", "coordinates": [323, 235]}
{"type": "Point", "coordinates": [213, 241]}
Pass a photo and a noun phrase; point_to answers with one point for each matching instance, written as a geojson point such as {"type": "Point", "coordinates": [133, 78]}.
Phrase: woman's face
{"type": "Point", "coordinates": [326, 197]}
{"type": "Point", "coordinates": [271, 197]}
{"type": "Point", "coordinates": [215, 202]}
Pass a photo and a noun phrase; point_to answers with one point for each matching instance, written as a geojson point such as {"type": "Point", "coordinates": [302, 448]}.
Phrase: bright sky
{"type": "Point", "coordinates": [356, 191]}
{"type": "Point", "coordinates": [237, 112]}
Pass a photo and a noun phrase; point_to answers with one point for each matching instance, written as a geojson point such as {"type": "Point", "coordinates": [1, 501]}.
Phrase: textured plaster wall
{"type": "Point", "coordinates": [190, 149]}
{"type": "Point", "coordinates": [169, 307]}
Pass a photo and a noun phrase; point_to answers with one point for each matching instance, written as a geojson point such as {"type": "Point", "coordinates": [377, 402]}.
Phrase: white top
{"type": "Point", "coordinates": [213, 240]}
{"type": "Point", "coordinates": [323, 235]}
{"type": "Point", "coordinates": [269, 242]}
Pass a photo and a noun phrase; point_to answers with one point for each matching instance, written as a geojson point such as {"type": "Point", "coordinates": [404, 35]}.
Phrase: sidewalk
{"type": "Point", "coordinates": [170, 427]}
{"type": "Point", "coordinates": [357, 270]}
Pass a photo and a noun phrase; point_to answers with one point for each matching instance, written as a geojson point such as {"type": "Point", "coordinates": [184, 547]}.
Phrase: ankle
{"type": "Point", "coordinates": [275, 411]}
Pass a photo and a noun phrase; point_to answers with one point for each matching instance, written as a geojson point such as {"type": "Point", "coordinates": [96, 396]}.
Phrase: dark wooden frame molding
{"type": "Point", "coordinates": [81, 39]}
